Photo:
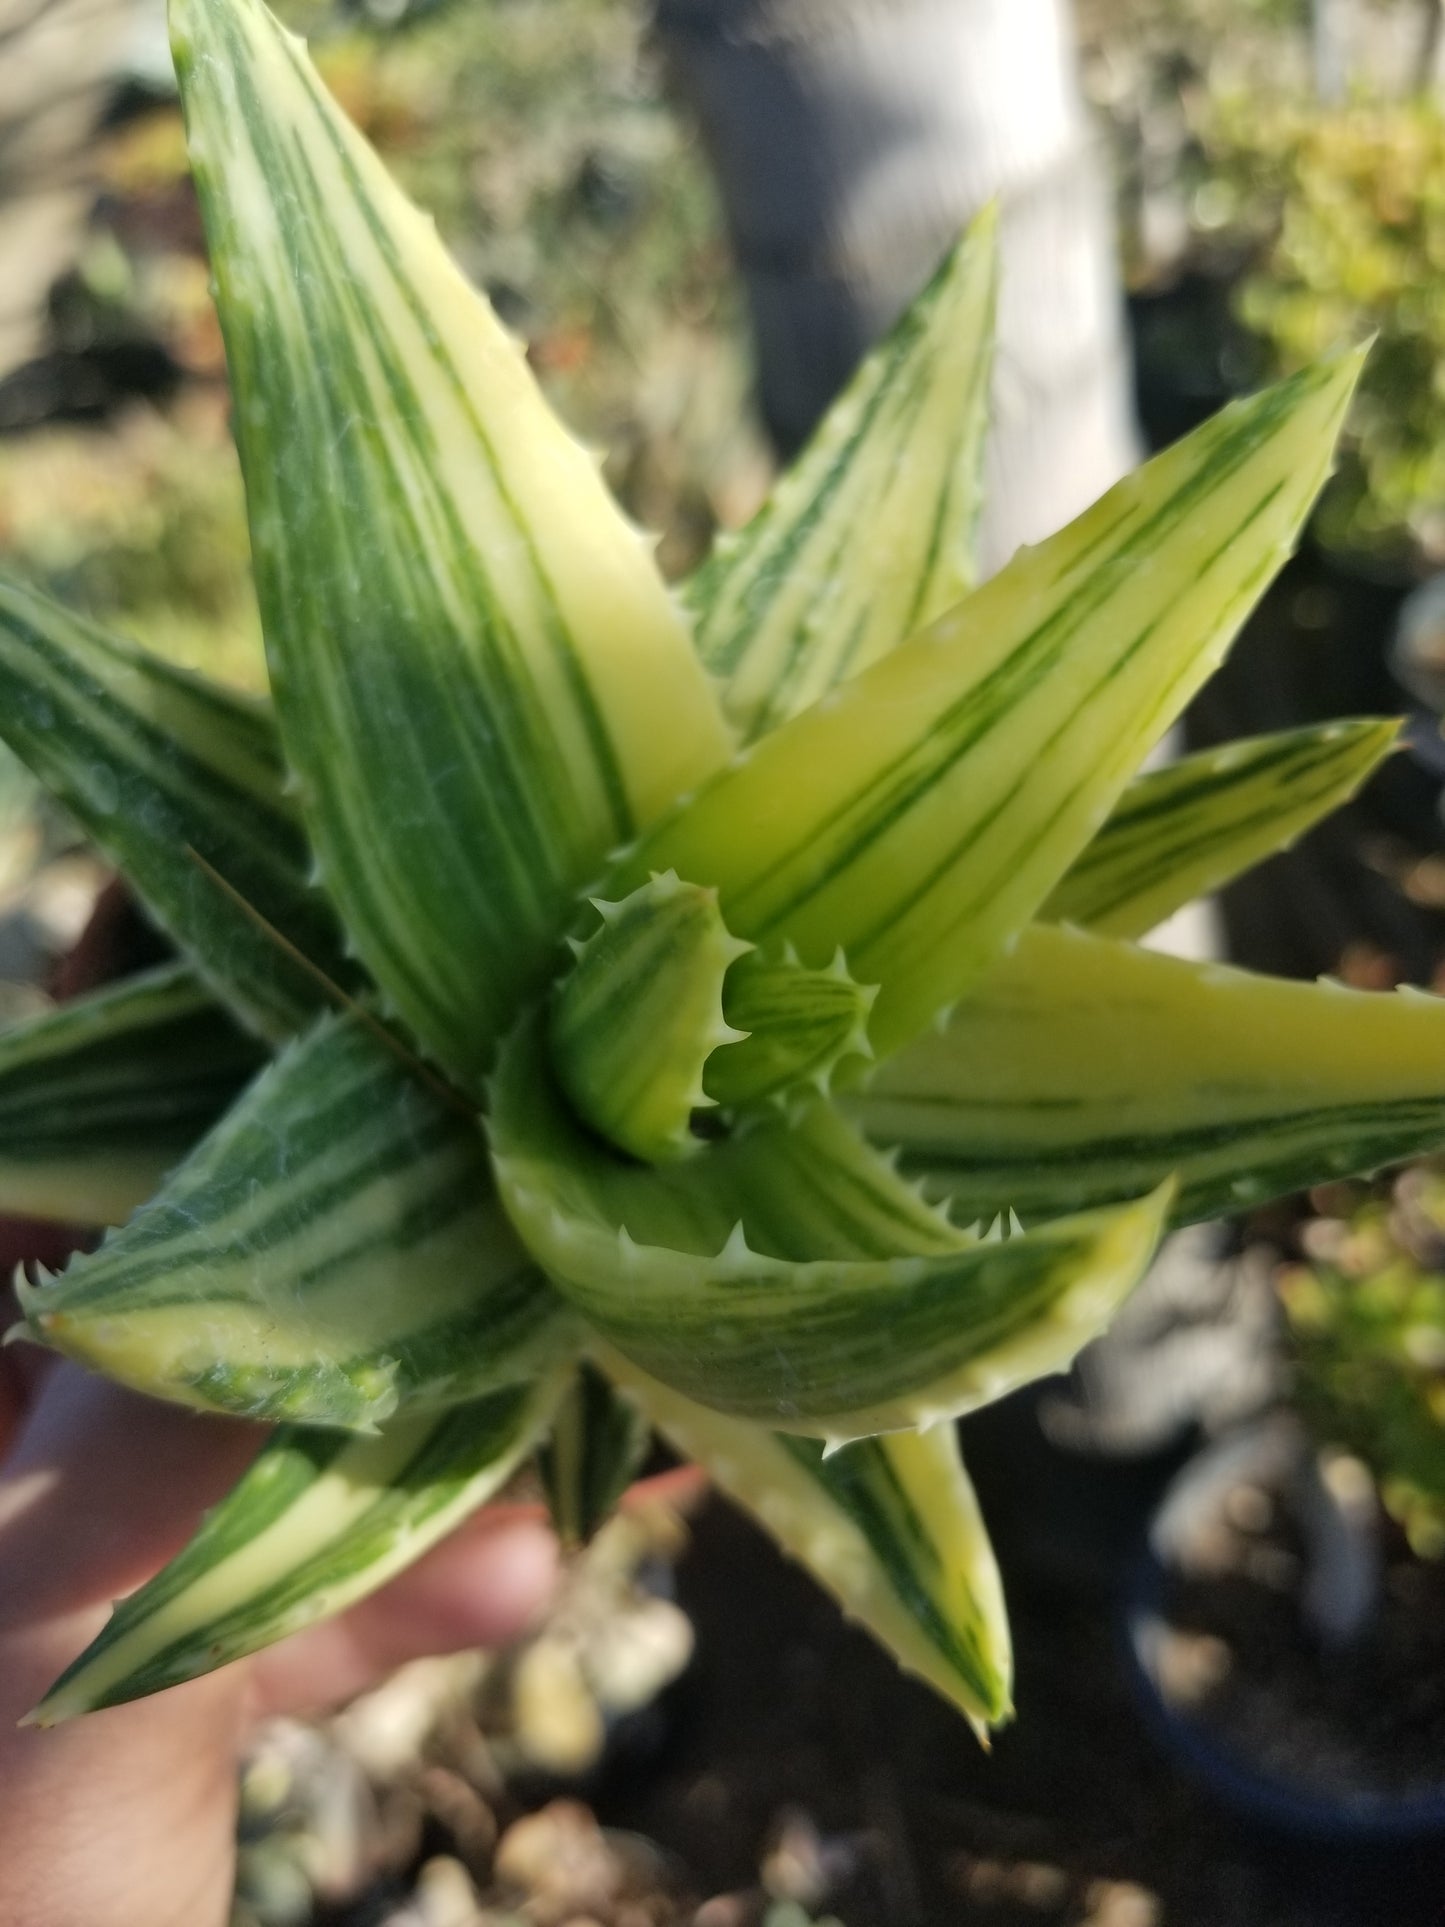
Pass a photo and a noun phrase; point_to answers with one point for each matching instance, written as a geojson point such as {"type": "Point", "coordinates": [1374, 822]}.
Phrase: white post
{"type": "Point", "coordinates": [852, 139]}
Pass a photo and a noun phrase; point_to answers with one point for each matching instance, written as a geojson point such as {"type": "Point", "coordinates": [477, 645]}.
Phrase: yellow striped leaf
{"type": "Point", "coordinates": [1183, 831]}
{"type": "Point", "coordinates": [179, 782]}
{"type": "Point", "coordinates": [869, 535]}
{"type": "Point", "coordinates": [889, 1526]}
{"type": "Point", "coordinates": [332, 1249]}
{"type": "Point", "coordinates": [920, 815]}
{"type": "Point", "coordinates": [481, 680]}
{"type": "Point", "coordinates": [1084, 1070]}
{"type": "Point", "coordinates": [597, 1443]}
{"type": "Point", "coordinates": [100, 1098]}
{"type": "Point", "coordinates": [319, 1522]}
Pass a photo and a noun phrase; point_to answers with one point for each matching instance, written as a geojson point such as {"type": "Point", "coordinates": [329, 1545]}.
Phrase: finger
{"type": "Point", "coordinates": [128, 1814]}
{"type": "Point", "coordinates": [101, 1487]}
{"type": "Point", "coordinates": [482, 1587]}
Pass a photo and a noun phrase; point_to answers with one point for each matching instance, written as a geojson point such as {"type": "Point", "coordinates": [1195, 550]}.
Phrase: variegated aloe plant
{"type": "Point", "coordinates": [609, 947]}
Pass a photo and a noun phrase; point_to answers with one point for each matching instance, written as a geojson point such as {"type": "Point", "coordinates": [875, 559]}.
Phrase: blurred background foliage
{"type": "Point", "coordinates": [1315, 205]}
{"type": "Point", "coordinates": [538, 136]}
{"type": "Point", "coordinates": [1367, 1324]}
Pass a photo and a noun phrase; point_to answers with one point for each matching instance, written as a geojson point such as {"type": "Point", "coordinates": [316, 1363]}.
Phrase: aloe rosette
{"type": "Point", "coordinates": [599, 1008]}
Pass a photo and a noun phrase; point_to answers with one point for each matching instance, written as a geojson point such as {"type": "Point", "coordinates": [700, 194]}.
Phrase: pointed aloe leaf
{"type": "Point", "coordinates": [869, 535]}
{"type": "Point", "coordinates": [99, 1098]}
{"type": "Point", "coordinates": [320, 1521]}
{"type": "Point", "coordinates": [481, 679]}
{"type": "Point", "coordinates": [334, 1247]}
{"type": "Point", "coordinates": [163, 769]}
{"type": "Point", "coordinates": [1084, 1069]}
{"type": "Point", "coordinates": [788, 1276]}
{"type": "Point", "coordinates": [1183, 831]}
{"type": "Point", "coordinates": [597, 1443]}
{"type": "Point", "coordinates": [889, 1526]}
{"type": "Point", "coordinates": [639, 1013]}
{"type": "Point", "coordinates": [920, 815]}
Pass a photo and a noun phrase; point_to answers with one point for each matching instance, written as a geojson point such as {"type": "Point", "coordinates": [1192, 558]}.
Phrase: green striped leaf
{"type": "Point", "coordinates": [639, 1013]}
{"type": "Point", "coordinates": [800, 1026]}
{"type": "Point", "coordinates": [921, 814]}
{"type": "Point", "coordinates": [319, 1522]}
{"type": "Point", "coordinates": [597, 1444]}
{"type": "Point", "coordinates": [481, 679]}
{"type": "Point", "coordinates": [1183, 831]}
{"type": "Point", "coordinates": [99, 1098]}
{"type": "Point", "coordinates": [333, 1248]}
{"type": "Point", "coordinates": [889, 1526]}
{"type": "Point", "coordinates": [163, 768]}
{"type": "Point", "coordinates": [1084, 1069]}
{"type": "Point", "coordinates": [869, 535]}
{"type": "Point", "coordinates": [757, 1278]}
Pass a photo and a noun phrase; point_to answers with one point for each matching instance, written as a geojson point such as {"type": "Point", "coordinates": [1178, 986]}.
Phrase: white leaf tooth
{"type": "Point", "coordinates": [1015, 1224]}
{"type": "Point", "coordinates": [735, 1250]}
{"type": "Point", "coordinates": [17, 1334]}
{"type": "Point", "coordinates": [576, 946]}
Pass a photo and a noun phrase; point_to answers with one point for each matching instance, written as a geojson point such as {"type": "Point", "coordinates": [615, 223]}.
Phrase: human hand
{"type": "Point", "coordinates": [125, 1818]}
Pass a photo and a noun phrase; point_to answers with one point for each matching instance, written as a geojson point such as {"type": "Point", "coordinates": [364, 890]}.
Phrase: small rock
{"type": "Point", "coordinates": [731, 1910]}
{"type": "Point", "coordinates": [561, 1861]}
{"type": "Point", "coordinates": [445, 1894]}
{"type": "Point", "coordinates": [1120, 1903]}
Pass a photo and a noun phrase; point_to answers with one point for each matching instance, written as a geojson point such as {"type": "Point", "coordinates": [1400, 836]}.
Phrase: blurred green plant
{"type": "Point", "coordinates": [1341, 217]}
{"type": "Point", "coordinates": [1368, 1324]}
{"type": "Point", "coordinates": [538, 136]}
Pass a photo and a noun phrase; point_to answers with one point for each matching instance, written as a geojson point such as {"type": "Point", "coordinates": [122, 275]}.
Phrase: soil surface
{"type": "Point", "coordinates": [1240, 1657]}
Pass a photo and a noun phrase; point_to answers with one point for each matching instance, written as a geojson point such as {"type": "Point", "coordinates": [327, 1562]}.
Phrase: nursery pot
{"type": "Point", "coordinates": [1258, 1631]}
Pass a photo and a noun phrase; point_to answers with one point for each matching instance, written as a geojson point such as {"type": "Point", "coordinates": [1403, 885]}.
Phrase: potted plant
{"type": "Point", "coordinates": [536, 939]}
{"type": "Point", "coordinates": [1286, 1627]}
